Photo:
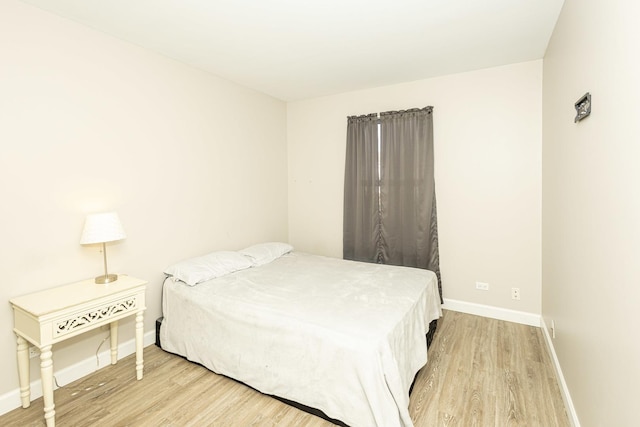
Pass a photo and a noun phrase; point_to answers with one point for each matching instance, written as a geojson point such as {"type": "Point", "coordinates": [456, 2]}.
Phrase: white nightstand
{"type": "Point", "coordinates": [53, 315]}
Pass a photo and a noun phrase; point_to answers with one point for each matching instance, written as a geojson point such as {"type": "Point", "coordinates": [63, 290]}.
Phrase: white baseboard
{"type": "Point", "coordinates": [564, 390]}
{"type": "Point", "coordinates": [11, 400]}
{"type": "Point", "coordinates": [492, 312]}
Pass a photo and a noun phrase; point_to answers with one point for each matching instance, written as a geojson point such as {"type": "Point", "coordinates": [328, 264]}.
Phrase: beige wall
{"type": "Point", "coordinates": [591, 207]}
{"type": "Point", "coordinates": [192, 163]}
{"type": "Point", "coordinates": [90, 123]}
{"type": "Point", "coordinates": [487, 130]}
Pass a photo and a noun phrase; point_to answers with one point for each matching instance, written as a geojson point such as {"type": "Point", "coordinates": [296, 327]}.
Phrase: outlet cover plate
{"type": "Point", "coordinates": [482, 286]}
{"type": "Point", "coordinates": [33, 351]}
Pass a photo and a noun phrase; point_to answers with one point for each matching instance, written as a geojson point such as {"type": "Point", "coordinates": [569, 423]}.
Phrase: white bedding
{"type": "Point", "coordinates": [340, 336]}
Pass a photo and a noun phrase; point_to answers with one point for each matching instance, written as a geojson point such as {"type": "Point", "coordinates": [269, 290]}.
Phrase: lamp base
{"type": "Point", "coordinates": [106, 278]}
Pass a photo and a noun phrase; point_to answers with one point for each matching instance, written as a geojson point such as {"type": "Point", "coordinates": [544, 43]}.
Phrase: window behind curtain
{"type": "Point", "coordinates": [389, 195]}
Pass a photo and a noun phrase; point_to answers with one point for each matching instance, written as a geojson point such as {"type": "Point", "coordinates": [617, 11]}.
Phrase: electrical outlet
{"type": "Point", "coordinates": [515, 293]}
{"type": "Point", "coordinates": [482, 286]}
{"type": "Point", "coordinates": [33, 351]}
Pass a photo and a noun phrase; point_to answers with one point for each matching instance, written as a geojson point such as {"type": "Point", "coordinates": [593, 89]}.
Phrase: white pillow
{"type": "Point", "coordinates": [263, 253]}
{"type": "Point", "coordinates": [196, 270]}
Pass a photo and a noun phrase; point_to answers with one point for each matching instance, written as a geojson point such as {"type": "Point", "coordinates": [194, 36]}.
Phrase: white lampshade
{"type": "Point", "coordinates": [101, 228]}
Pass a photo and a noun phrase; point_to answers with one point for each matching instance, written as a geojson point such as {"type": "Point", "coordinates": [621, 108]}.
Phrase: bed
{"type": "Point", "coordinates": [344, 337]}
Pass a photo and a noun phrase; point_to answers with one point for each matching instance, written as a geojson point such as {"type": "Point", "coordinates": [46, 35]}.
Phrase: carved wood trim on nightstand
{"type": "Point", "coordinates": [66, 326]}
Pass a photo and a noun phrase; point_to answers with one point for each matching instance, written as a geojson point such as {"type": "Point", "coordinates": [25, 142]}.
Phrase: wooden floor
{"type": "Point", "coordinates": [481, 372]}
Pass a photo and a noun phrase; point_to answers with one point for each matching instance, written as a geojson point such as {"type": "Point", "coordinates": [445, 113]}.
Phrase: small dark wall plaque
{"type": "Point", "coordinates": [583, 107]}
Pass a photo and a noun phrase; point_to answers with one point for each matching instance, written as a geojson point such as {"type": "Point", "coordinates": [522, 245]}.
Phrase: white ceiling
{"type": "Point", "coordinates": [298, 49]}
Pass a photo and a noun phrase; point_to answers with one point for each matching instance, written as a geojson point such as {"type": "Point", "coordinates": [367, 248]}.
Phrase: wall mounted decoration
{"type": "Point", "coordinates": [583, 107]}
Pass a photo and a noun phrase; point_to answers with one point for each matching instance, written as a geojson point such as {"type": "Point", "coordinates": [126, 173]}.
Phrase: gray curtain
{"type": "Point", "coordinates": [389, 198]}
{"type": "Point", "coordinates": [361, 221]}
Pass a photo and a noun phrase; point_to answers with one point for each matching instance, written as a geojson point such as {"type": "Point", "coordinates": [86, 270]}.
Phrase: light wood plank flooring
{"type": "Point", "coordinates": [481, 372]}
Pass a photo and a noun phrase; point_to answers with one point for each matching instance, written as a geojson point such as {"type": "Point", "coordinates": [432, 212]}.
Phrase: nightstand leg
{"type": "Point", "coordinates": [23, 371]}
{"type": "Point", "coordinates": [46, 372]}
{"type": "Point", "coordinates": [139, 344]}
{"type": "Point", "coordinates": [114, 342]}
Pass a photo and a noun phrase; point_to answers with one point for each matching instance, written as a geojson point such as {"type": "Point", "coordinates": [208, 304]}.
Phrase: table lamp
{"type": "Point", "coordinates": [103, 228]}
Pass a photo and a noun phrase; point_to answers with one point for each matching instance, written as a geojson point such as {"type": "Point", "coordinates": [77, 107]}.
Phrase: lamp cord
{"type": "Point", "coordinates": [98, 351]}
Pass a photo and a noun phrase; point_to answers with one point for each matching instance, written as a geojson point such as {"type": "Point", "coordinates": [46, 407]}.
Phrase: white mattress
{"type": "Point", "coordinates": [340, 336]}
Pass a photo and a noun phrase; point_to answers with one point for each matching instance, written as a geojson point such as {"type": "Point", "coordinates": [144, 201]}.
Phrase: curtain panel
{"type": "Point", "coordinates": [361, 218]}
{"type": "Point", "coordinates": [390, 213]}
